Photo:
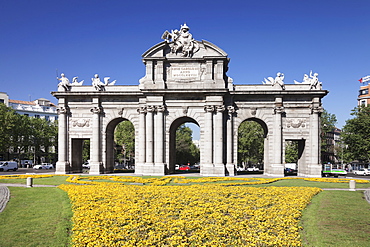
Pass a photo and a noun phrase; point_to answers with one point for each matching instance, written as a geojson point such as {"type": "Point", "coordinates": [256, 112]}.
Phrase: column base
{"type": "Point", "coordinates": [212, 170]}
{"type": "Point", "coordinates": [311, 171]}
{"type": "Point", "coordinates": [274, 170]}
{"type": "Point", "coordinates": [62, 167]}
{"type": "Point", "coordinates": [96, 168]}
{"type": "Point", "coordinates": [151, 169]}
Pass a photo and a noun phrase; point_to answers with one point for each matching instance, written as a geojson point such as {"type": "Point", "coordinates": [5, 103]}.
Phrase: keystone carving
{"type": "Point", "coordinates": [81, 123]}
{"type": "Point", "coordinates": [296, 123]}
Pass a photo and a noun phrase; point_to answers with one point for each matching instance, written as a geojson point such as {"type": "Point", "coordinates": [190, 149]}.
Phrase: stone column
{"type": "Point", "coordinates": [208, 135]}
{"type": "Point", "coordinates": [62, 166]}
{"type": "Point", "coordinates": [95, 156]}
{"type": "Point", "coordinates": [159, 136]}
{"type": "Point", "coordinates": [141, 136]}
{"type": "Point", "coordinates": [230, 166]}
{"type": "Point", "coordinates": [150, 135]}
{"type": "Point", "coordinates": [218, 140]}
{"type": "Point", "coordinates": [314, 166]}
{"type": "Point", "coordinates": [277, 168]}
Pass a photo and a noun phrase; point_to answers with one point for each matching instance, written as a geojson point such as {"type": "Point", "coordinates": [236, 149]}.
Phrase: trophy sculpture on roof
{"type": "Point", "coordinates": [181, 41]}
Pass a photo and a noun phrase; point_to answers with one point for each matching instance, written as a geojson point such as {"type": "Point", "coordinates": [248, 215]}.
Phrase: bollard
{"type": "Point", "coordinates": [352, 185]}
{"type": "Point", "coordinates": [29, 182]}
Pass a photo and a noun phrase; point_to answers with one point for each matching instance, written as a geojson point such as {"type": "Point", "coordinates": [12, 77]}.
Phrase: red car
{"type": "Point", "coordinates": [184, 168]}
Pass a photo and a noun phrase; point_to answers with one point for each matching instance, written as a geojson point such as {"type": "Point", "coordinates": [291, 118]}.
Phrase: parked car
{"type": "Point", "coordinates": [43, 166]}
{"type": "Point", "coordinates": [252, 169]}
{"type": "Point", "coordinates": [86, 165]}
{"type": "Point", "coordinates": [184, 168]}
{"type": "Point", "coordinates": [8, 166]}
{"type": "Point", "coordinates": [362, 171]}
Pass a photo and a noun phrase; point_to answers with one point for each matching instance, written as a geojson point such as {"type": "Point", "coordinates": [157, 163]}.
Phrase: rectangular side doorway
{"type": "Point", "coordinates": [80, 148]}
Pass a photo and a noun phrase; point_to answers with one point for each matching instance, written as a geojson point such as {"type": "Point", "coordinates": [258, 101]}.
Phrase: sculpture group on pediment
{"type": "Point", "coordinates": [311, 80]}
{"type": "Point", "coordinates": [181, 41]}
{"type": "Point", "coordinates": [279, 79]}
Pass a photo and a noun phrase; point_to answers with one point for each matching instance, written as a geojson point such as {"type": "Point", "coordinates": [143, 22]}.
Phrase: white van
{"type": "Point", "coordinates": [8, 165]}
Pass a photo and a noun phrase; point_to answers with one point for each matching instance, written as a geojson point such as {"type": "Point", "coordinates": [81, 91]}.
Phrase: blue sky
{"type": "Point", "coordinates": [81, 38]}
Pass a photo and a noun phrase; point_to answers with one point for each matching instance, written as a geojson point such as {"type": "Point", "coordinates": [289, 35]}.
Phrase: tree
{"type": "Point", "coordinates": [20, 134]}
{"type": "Point", "coordinates": [328, 122]}
{"type": "Point", "coordinates": [186, 151]}
{"type": "Point", "coordinates": [7, 123]}
{"type": "Point", "coordinates": [356, 135]}
{"type": "Point", "coordinates": [124, 136]}
{"type": "Point", "coordinates": [250, 142]}
{"type": "Point", "coordinates": [291, 152]}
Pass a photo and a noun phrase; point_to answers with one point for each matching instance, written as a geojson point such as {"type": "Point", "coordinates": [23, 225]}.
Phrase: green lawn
{"type": "Point", "coordinates": [337, 218]}
{"type": "Point", "coordinates": [36, 217]}
{"type": "Point", "coordinates": [40, 216]}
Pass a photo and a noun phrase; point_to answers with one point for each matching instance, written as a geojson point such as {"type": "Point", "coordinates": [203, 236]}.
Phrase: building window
{"type": "Point", "coordinates": [26, 114]}
{"type": "Point", "coordinates": [2, 101]}
{"type": "Point", "coordinates": [364, 91]}
{"type": "Point", "coordinates": [37, 116]}
{"type": "Point", "coordinates": [363, 102]}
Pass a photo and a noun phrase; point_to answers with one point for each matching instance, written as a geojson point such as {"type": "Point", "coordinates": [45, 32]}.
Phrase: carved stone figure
{"type": "Point", "coordinates": [106, 81]}
{"type": "Point", "coordinates": [279, 79]}
{"type": "Point", "coordinates": [97, 84]}
{"type": "Point", "coordinates": [312, 80]}
{"type": "Point", "coordinates": [182, 41]}
{"type": "Point", "coordinates": [75, 82]}
{"type": "Point", "coordinates": [64, 82]}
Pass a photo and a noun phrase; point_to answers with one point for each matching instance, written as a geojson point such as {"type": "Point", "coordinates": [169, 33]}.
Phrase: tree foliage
{"type": "Point", "coordinates": [291, 152]}
{"type": "Point", "coordinates": [356, 135]}
{"type": "Point", "coordinates": [27, 137]}
{"type": "Point", "coordinates": [124, 136]}
{"type": "Point", "coordinates": [250, 142]}
{"type": "Point", "coordinates": [328, 121]}
{"type": "Point", "coordinates": [186, 150]}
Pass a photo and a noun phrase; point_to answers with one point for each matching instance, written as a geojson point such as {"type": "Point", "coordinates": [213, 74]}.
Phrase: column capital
{"type": "Point", "coordinates": [161, 108]}
{"type": "Point", "coordinates": [209, 108]}
{"type": "Point", "coordinates": [62, 109]}
{"type": "Point", "coordinates": [141, 110]}
{"type": "Point", "coordinates": [96, 110]}
{"type": "Point", "coordinates": [220, 108]}
{"type": "Point", "coordinates": [316, 109]}
{"type": "Point", "coordinates": [151, 108]}
{"type": "Point", "coordinates": [231, 110]}
{"type": "Point", "coordinates": [279, 109]}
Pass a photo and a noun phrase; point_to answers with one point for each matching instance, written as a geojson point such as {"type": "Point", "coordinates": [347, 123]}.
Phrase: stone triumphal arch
{"type": "Point", "coordinates": [186, 80]}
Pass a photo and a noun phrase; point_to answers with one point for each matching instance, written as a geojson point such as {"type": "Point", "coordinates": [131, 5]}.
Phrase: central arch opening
{"type": "Point", "coordinates": [184, 153]}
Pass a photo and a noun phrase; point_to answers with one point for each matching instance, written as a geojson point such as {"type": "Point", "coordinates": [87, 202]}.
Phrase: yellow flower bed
{"type": "Point", "coordinates": [225, 181]}
{"type": "Point", "coordinates": [24, 176]}
{"type": "Point", "coordinates": [113, 214]}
